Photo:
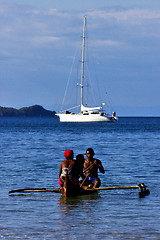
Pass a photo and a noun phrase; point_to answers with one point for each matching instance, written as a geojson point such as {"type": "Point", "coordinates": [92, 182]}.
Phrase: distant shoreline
{"type": "Point", "coordinates": [39, 111]}
{"type": "Point", "coordinates": [32, 111]}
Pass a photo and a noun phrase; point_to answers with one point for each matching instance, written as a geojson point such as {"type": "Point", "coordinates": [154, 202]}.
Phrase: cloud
{"type": "Point", "coordinates": [43, 40]}
{"type": "Point", "coordinates": [55, 12]}
{"type": "Point", "coordinates": [25, 27]}
{"type": "Point", "coordinates": [37, 45]}
{"type": "Point", "coordinates": [50, 12]}
{"type": "Point", "coordinates": [103, 43]}
{"type": "Point", "coordinates": [22, 26]}
{"type": "Point", "coordinates": [130, 15]}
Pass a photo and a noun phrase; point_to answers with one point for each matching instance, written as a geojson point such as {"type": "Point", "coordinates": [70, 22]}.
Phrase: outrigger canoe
{"type": "Point", "coordinates": [76, 191]}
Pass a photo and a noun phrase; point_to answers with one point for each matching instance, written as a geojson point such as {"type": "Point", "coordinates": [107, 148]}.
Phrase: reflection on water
{"type": "Point", "coordinates": [69, 203]}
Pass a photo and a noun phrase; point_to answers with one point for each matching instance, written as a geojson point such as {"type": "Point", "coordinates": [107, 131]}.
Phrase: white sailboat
{"type": "Point", "coordinates": [87, 114]}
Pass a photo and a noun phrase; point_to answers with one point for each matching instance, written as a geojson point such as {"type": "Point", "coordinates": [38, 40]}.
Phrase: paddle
{"type": "Point", "coordinates": [84, 180]}
{"type": "Point", "coordinates": [86, 169]}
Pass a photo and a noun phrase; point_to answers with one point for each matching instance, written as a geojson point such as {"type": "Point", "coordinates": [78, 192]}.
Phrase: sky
{"type": "Point", "coordinates": [40, 41]}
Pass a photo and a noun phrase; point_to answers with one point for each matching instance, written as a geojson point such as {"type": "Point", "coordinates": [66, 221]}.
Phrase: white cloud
{"type": "Point", "coordinates": [38, 28]}
{"type": "Point", "coordinates": [34, 11]}
{"type": "Point", "coordinates": [106, 43]}
{"type": "Point", "coordinates": [50, 12]}
{"type": "Point", "coordinates": [131, 15]}
{"type": "Point", "coordinates": [55, 12]}
{"type": "Point", "coordinates": [41, 40]}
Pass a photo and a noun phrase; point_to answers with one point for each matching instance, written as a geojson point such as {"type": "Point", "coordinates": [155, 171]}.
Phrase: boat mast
{"type": "Point", "coordinates": [83, 45]}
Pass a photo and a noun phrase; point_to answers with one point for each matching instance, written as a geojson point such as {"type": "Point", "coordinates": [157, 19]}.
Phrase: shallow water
{"type": "Point", "coordinates": [31, 152]}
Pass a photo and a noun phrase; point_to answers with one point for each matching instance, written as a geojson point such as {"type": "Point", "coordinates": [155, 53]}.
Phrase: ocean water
{"type": "Point", "coordinates": [31, 150]}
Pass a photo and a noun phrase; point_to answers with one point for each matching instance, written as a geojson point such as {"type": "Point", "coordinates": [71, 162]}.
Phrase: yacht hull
{"type": "Point", "coordinates": [85, 118]}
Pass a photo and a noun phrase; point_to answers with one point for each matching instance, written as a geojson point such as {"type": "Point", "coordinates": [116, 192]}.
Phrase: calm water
{"type": "Point", "coordinates": [30, 156]}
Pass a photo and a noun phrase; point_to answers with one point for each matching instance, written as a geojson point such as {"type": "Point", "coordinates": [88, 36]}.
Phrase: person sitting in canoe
{"type": "Point", "coordinates": [79, 167]}
{"type": "Point", "coordinates": [67, 169]}
{"type": "Point", "coordinates": [91, 166]}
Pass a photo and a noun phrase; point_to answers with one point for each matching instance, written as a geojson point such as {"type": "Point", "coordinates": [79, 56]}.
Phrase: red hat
{"type": "Point", "coordinates": [68, 154]}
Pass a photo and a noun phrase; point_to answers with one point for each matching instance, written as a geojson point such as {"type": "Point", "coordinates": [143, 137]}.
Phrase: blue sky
{"type": "Point", "coordinates": [39, 39]}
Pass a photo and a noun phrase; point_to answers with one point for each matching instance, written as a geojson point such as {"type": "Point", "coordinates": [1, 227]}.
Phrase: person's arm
{"type": "Point", "coordinates": [85, 166]}
{"type": "Point", "coordinates": [101, 168]}
{"type": "Point", "coordinates": [81, 174]}
{"type": "Point", "coordinates": [60, 170]}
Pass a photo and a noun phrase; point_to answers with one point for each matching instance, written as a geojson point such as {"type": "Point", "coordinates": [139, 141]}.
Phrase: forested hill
{"type": "Point", "coordinates": [33, 111]}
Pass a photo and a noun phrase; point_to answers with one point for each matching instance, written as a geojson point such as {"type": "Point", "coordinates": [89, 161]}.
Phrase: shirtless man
{"type": "Point", "coordinates": [67, 168]}
{"type": "Point", "coordinates": [91, 166]}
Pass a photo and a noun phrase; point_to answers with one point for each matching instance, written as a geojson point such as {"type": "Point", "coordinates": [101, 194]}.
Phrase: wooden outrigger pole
{"type": "Point", "coordinates": [29, 190]}
{"type": "Point", "coordinates": [142, 187]}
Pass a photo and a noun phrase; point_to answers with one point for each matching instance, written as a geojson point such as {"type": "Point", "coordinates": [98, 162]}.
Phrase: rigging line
{"type": "Point", "coordinates": [91, 90]}
{"type": "Point", "coordinates": [108, 100]}
{"type": "Point", "coordinates": [97, 80]}
{"type": "Point", "coordinates": [95, 88]}
{"type": "Point", "coordinates": [69, 77]}
{"type": "Point", "coordinates": [71, 108]}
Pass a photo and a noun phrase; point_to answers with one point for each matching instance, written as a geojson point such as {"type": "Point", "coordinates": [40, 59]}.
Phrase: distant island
{"type": "Point", "coordinates": [32, 111]}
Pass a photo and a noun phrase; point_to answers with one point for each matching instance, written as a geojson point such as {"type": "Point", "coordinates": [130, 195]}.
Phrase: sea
{"type": "Point", "coordinates": [31, 150]}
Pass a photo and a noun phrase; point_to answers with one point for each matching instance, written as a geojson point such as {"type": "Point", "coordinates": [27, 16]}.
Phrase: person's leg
{"type": "Point", "coordinates": [97, 183]}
